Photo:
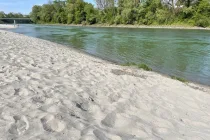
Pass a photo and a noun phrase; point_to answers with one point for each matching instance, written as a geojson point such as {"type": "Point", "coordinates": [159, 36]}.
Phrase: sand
{"type": "Point", "coordinates": [7, 26]}
{"type": "Point", "coordinates": [52, 92]}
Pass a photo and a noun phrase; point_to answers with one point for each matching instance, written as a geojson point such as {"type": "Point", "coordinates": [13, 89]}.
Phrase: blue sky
{"type": "Point", "coordinates": [22, 6]}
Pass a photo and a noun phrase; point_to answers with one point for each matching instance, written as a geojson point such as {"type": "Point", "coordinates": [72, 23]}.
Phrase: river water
{"type": "Point", "coordinates": [177, 52]}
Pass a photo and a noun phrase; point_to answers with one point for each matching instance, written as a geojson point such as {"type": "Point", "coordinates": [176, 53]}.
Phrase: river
{"type": "Point", "coordinates": [177, 52]}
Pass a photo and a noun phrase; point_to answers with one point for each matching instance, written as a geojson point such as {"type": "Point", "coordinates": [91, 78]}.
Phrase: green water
{"type": "Point", "coordinates": [182, 53]}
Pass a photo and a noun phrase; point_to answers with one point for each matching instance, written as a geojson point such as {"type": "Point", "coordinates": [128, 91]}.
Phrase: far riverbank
{"type": "Point", "coordinates": [136, 26]}
{"type": "Point", "coordinates": [6, 26]}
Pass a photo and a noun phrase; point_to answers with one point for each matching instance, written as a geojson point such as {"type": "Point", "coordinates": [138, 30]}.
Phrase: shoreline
{"type": "Point", "coordinates": [118, 63]}
{"type": "Point", "coordinates": [134, 26]}
{"type": "Point", "coordinates": [192, 84]}
{"type": "Point", "coordinates": [51, 91]}
{"type": "Point", "coordinates": [8, 26]}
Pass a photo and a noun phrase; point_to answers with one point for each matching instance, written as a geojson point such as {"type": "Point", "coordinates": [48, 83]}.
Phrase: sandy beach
{"type": "Point", "coordinates": [7, 26]}
{"type": "Point", "coordinates": [52, 92]}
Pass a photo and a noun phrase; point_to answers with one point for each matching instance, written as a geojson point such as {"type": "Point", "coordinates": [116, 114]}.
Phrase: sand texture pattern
{"type": "Point", "coordinates": [52, 92]}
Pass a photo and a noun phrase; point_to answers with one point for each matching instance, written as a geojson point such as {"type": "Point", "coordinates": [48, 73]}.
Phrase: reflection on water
{"type": "Point", "coordinates": [183, 53]}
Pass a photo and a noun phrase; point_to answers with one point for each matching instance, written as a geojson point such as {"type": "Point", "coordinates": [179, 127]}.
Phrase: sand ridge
{"type": "Point", "coordinates": [52, 92]}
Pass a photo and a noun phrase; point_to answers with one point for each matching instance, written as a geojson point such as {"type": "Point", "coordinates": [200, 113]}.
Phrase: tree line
{"type": "Point", "coordinates": [138, 12]}
{"type": "Point", "coordinates": [12, 15]}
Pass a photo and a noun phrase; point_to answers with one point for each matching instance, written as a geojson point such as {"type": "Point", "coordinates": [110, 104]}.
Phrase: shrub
{"type": "Point", "coordinates": [179, 79]}
{"type": "Point", "coordinates": [84, 23]}
{"type": "Point", "coordinates": [141, 66]}
{"type": "Point", "coordinates": [117, 19]}
{"type": "Point", "coordinates": [202, 22]}
{"type": "Point", "coordinates": [144, 67]}
{"type": "Point", "coordinates": [127, 16]}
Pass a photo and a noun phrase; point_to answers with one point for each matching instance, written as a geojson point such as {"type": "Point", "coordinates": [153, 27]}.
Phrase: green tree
{"type": "Point", "coordinates": [90, 13]}
{"type": "Point", "coordinates": [192, 12]}
{"type": "Point", "coordinates": [187, 3]}
{"type": "Point", "coordinates": [35, 14]}
{"type": "Point", "coordinates": [2, 14]}
{"type": "Point", "coordinates": [202, 13]}
{"type": "Point", "coordinates": [47, 13]}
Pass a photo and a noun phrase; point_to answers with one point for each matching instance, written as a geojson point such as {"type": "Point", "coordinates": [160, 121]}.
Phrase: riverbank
{"type": "Point", "coordinates": [50, 91]}
{"type": "Point", "coordinates": [7, 26]}
{"type": "Point", "coordinates": [136, 26]}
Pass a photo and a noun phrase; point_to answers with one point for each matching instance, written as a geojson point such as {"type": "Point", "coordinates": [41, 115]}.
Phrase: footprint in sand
{"type": "Point", "coordinates": [100, 135]}
{"type": "Point", "coordinates": [51, 124]}
{"type": "Point", "coordinates": [20, 125]}
{"type": "Point", "coordinates": [38, 99]}
{"type": "Point", "coordinates": [109, 120]}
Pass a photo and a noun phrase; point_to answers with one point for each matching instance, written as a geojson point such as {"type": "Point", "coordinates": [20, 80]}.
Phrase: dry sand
{"type": "Point", "coordinates": [7, 26]}
{"type": "Point", "coordinates": [52, 92]}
